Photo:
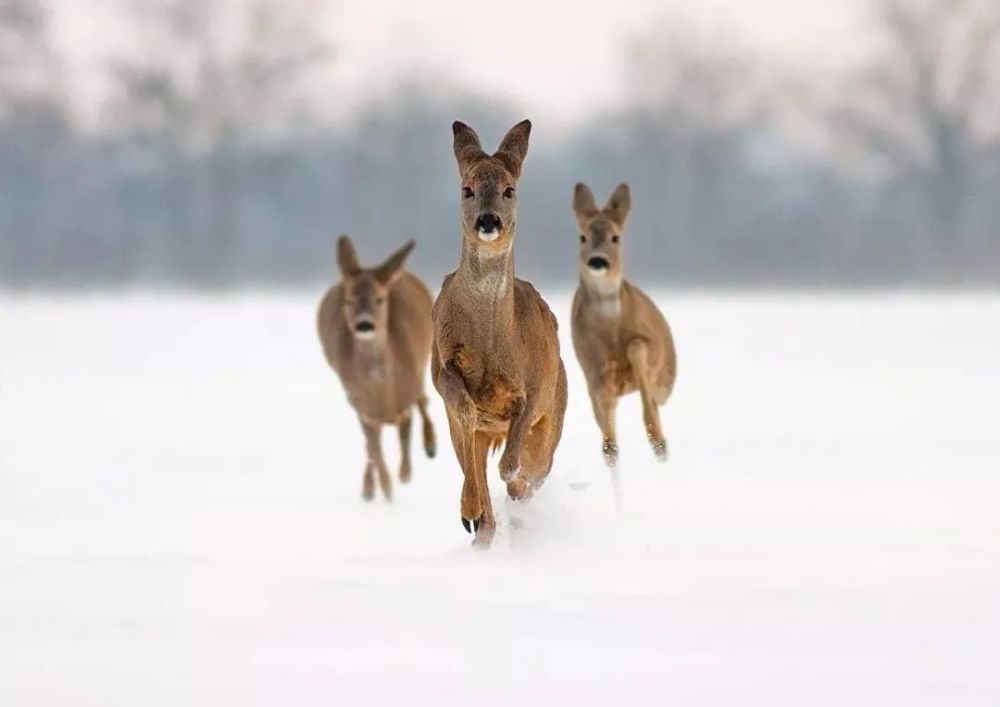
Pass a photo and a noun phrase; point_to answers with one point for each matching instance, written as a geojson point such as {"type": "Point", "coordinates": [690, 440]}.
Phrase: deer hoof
{"type": "Point", "coordinates": [471, 526]}
{"type": "Point", "coordinates": [431, 450]}
{"type": "Point", "coordinates": [660, 450]}
{"type": "Point", "coordinates": [484, 536]}
{"type": "Point", "coordinates": [610, 451]}
{"type": "Point", "coordinates": [509, 470]}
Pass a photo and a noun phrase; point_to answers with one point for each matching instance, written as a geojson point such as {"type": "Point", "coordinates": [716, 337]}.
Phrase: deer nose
{"type": "Point", "coordinates": [488, 225]}
{"type": "Point", "coordinates": [598, 264]}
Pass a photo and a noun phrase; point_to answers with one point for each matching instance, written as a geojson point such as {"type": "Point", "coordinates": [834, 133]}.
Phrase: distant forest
{"type": "Point", "coordinates": [211, 168]}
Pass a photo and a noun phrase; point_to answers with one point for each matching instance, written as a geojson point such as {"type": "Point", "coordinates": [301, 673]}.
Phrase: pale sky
{"type": "Point", "coordinates": [559, 60]}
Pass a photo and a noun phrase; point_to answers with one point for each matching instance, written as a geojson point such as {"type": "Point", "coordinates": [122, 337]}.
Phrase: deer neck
{"type": "Point", "coordinates": [370, 356]}
{"type": "Point", "coordinates": [603, 294]}
{"type": "Point", "coordinates": [487, 277]}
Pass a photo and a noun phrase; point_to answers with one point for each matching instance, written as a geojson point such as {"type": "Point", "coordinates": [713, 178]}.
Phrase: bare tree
{"type": "Point", "coordinates": [698, 101]}
{"type": "Point", "coordinates": [33, 131]}
{"type": "Point", "coordinates": [927, 107]}
{"type": "Point", "coordinates": [213, 74]}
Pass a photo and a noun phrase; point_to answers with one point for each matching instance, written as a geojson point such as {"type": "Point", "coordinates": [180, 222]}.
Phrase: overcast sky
{"type": "Point", "coordinates": [558, 59]}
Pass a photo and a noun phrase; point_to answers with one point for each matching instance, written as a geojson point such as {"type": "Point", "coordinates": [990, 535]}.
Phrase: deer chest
{"type": "Point", "coordinates": [491, 381]}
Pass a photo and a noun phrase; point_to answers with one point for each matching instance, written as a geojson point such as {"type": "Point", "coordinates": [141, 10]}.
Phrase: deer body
{"type": "Point", "coordinates": [622, 341]}
{"type": "Point", "coordinates": [375, 330]}
{"type": "Point", "coordinates": [495, 358]}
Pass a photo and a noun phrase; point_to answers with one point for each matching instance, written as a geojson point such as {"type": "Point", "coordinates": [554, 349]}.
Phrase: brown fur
{"type": "Point", "coordinates": [495, 359]}
{"type": "Point", "coordinates": [384, 374]}
{"type": "Point", "coordinates": [622, 341]}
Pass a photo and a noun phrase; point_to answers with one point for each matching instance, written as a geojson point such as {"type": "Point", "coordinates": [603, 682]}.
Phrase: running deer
{"type": "Point", "coordinates": [622, 341]}
{"type": "Point", "coordinates": [495, 359]}
{"type": "Point", "coordinates": [375, 328]}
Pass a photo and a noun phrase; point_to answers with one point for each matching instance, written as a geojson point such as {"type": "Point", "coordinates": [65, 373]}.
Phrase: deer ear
{"type": "Point", "coordinates": [584, 205]}
{"type": "Point", "coordinates": [468, 149]}
{"type": "Point", "coordinates": [388, 272]}
{"type": "Point", "coordinates": [619, 204]}
{"type": "Point", "coordinates": [514, 147]}
{"type": "Point", "coordinates": [347, 258]}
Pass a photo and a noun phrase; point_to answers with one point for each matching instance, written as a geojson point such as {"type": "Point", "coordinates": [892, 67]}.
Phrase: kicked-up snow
{"type": "Point", "coordinates": [181, 520]}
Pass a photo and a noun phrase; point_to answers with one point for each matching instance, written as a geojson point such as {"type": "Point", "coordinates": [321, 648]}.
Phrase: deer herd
{"type": "Point", "coordinates": [492, 341]}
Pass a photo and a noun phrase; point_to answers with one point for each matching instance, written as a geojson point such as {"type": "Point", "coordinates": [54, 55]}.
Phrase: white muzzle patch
{"type": "Point", "coordinates": [364, 330]}
{"type": "Point", "coordinates": [598, 265]}
{"type": "Point", "coordinates": [488, 236]}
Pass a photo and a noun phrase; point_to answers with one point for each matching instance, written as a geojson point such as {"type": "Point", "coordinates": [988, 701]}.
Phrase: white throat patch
{"type": "Point", "coordinates": [492, 284]}
{"type": "Point", "coordinates": [606, 295]}
{"type": "Point", "coordinates": [611, 307]}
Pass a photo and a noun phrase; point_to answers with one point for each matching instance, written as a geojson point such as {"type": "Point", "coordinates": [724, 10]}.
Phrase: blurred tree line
{"type": "Point", "coordinates": [210, 167]}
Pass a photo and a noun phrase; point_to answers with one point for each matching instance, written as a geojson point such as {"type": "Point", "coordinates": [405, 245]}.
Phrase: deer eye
{"type": "Point", "coordinates": [583, 238]}
{"type": "Point", "coordinates": [614, 239]}
{"type": "Point", "coordinates": [467, 192]}
{"type": "Point", "coordinates": [509, 192]}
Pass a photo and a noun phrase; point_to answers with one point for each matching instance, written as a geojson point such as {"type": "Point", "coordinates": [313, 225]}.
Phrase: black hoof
{"type": "Point", "coordinates": [431, 451]}
{"type": "Point", "coordinates": [466, 525]}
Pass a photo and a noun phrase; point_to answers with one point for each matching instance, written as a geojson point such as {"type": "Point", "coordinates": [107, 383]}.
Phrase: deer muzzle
{"type": "Point", "coordinates": [598, 265]}
{"type": "Point", "coordinates": [364, 329]}
{"type": "Point", "coordinates": [488, 227]}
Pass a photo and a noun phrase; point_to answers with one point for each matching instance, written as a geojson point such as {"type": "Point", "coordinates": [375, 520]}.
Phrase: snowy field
{"type": "Point", "coordinates": [181, 521]}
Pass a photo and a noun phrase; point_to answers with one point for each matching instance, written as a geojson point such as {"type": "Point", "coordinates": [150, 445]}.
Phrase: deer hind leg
{"type": "Point", "coordinates": [405, 426]}
{"type": "Point", "coordinates": [368, 485]}
{"type": "Point", "coordinates": [638, 356]}
{"type": "Point", "coordinates": [373, 433]}
{"type": "Point", "coordinates": [430, 440]}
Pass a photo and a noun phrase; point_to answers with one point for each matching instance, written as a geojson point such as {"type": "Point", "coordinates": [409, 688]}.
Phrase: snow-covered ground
{"type": "Point", "coordinates": [181, 521]}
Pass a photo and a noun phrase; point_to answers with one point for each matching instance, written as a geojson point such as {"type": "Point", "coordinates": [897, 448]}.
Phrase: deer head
{"type": "Point", "coordinates": [366, 290]}
{"type": "Point", "coordinates": [601, 232]}
{"type": "Point", "coordinates": [489, 186]}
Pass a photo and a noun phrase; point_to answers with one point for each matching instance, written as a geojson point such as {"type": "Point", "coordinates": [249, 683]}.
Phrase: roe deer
{"type": "Point", "coordinates": [622, 341]}
{"type": "Point", "coordinates": [375, 328]}
{"type": "Point", "coordinates": [495, 359]}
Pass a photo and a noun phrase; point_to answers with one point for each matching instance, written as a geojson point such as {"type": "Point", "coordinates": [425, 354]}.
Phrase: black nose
{"type": "Point", "coordinates": [598, 263]}
{"type": "Point", "coordinates": [364, 327]}
{"type": "Point", "coordinates": [488, 223]}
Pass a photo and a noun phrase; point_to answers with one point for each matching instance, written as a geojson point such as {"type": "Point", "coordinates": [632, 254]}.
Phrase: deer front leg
{"type": "Point", "coordinates": [605, 403]}
{"type": "Point", "coordinates": [405, 426]}
{"type": "Point", "coordinates": [486, 527]}
{"type": "Point", "coordinates": [373, 444]}
{"type": "Point", "coordinates": [638, 356]}
{"type": "Point", "coordinates": [461, 424]}
{"type": "Point", "coordinates": [510, 462]}
{"type": "Point", "coordinates": [450, 384]}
